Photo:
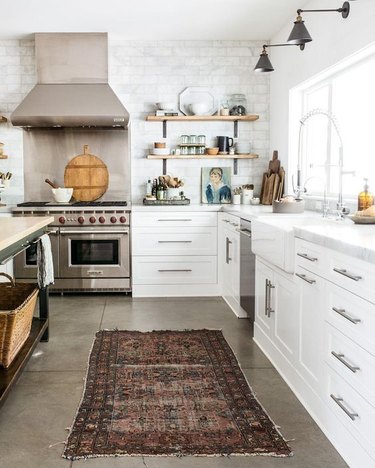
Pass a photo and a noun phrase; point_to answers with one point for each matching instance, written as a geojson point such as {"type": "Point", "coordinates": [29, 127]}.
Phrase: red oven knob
{"type": "Point", "coordinates": [102, 219]}
{"type": "Point", "coordinates": [62, 219]}
{"type": "Point", "coordinates": [92, 219]}
{"type": "Point", "coordinates": [122, 219]}
{"type": "Point", "coordinates": [113, 219]}
{"type": "Point", "coordinates": [81, 219]}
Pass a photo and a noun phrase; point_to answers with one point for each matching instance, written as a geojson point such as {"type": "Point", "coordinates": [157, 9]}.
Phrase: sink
{"type": "Point", "coordinates": [273, 237]}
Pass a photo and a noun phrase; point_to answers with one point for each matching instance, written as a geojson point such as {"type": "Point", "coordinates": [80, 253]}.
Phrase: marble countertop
{"type": "Point", "coordinates": [13, 230]}
{"type": "Point", "coordinates": [357, 240]}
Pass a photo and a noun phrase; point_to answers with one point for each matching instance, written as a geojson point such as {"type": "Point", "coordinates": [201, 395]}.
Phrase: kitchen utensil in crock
{"type": "Point", "coordinates": [52, 184]}
{"type": "Point", "coordinates": [88, 175]}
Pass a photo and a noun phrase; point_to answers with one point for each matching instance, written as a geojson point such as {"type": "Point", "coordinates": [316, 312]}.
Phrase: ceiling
{"type": "Point", "coordinates": [150, 19]}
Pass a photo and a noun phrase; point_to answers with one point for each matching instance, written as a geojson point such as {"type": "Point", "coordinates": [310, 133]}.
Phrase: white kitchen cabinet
{"type": "Point", "coordinates": [345, 380]}
{"type": "Point", "coordinates": [311, 334]}
{"type": "Point", "coordinates": [229, 260]}
{"type": "Point", "coordinates": [276, 310]}
{"type": "Point", "coordinates": [174, 253]}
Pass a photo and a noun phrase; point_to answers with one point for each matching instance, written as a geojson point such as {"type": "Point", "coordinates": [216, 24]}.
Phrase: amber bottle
{"type": "Point", "coordinates": [365, 198]}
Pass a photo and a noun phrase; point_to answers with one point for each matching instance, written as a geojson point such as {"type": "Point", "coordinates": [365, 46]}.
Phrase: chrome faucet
{"type": "Point", "coordinates": [341, 210]}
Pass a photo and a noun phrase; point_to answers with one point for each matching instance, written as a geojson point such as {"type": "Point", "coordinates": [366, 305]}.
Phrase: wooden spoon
{"type": "Point", "coordinates": [49, 182]}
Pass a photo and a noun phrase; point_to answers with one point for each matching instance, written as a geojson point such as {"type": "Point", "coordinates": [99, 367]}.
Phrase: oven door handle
{"type": "Point", "coordinates": [93, 232]}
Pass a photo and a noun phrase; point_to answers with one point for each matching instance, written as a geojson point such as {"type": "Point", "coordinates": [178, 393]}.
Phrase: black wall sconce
{"type": "Point", "coordinates": [264, 64]}
{"type": "Point", "coordinates": [300, 34]}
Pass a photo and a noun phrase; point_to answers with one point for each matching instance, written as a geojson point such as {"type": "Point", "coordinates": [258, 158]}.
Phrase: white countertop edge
{"type": "Point", "coordinates": [13, 230]}
{"type": "Point", "coordinates": [352, 247]}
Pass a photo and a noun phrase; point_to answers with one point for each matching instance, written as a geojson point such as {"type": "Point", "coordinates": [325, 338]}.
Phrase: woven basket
{"type": "Point", "coordinates": [17, 304]}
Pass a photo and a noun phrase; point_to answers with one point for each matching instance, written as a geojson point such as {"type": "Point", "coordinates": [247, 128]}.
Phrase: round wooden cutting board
{"type": "Point", "coordinates": [87, 175]}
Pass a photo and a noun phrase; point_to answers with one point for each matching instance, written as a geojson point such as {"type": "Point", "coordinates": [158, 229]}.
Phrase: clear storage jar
{"type": "Point", "coordinates": [237, 104]}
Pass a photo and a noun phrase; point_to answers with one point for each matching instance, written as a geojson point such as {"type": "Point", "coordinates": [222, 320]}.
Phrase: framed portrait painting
{"type": "Point", "coordinates": [216, 185]}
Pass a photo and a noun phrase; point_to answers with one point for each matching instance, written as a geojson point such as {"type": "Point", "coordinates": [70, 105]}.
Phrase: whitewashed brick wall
{"type": "Point", "coordinates": [145, 72]}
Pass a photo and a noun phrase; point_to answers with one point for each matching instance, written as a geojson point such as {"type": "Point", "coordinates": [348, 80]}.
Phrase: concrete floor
{"type": "Point", "coordinates": [34, 418]}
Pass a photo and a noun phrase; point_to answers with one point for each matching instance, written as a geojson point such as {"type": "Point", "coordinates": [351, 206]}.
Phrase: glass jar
{"type": "Point", "coordinates": [184, 150]}
{"type": "Point", "coordinates": [202, 139]}
{"type": "Point", "coordinates": [237, 104]}
{"type": "Point", "coordinates": [193, 139]}
{"type": "Point", "coordinates": [184, 139]}
{"type": "Point", "coordinates": [191, 150]}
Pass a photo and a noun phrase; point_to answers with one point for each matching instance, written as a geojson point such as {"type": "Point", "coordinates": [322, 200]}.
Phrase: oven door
{"type": "Point", "coordinates": [25, 264]}
{"type": "Point", "coordinates": [94, 252]}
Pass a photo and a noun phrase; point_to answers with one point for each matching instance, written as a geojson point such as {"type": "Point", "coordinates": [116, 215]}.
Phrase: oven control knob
{"type": "Point", "coordinates": [122, 219]}
{"type": "Point", "coordinates": [62, 219]}
{"type": "Point", "coordinates": [81, 219]}
{"type": "Point", "coordinates": [102, 219]}
{"type": "Point", "coordinates": [113, 219]}
{"type": "Point", "coordinates": [92, 219]}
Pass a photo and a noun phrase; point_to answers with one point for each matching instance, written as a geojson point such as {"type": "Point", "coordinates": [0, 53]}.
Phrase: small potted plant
{"type": "Point", "coordinates": [236, 199]}
{"type": "Point", "coordinates": [247, 193]}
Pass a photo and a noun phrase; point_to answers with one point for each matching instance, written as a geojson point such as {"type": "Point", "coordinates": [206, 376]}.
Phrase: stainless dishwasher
{"type": "Point", "coordinates": [247, 271]}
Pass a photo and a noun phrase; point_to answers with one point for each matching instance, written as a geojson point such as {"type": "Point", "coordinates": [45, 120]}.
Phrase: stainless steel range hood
{"type": "Point", "coordinates": [72, 89]}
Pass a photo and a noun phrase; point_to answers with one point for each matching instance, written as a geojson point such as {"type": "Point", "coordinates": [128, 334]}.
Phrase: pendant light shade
{"type": "Point", "coordinates": [299, 34]}
{"type": "Point", "coordinates": [264, 64]}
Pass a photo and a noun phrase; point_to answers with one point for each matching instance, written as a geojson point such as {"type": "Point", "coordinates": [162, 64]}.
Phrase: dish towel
{"type": "Point", "coordinates": [44, 261]}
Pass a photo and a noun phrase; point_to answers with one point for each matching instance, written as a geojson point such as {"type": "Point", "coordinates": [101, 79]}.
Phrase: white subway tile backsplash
{"type": "Point", "coordinates": [143, 73]}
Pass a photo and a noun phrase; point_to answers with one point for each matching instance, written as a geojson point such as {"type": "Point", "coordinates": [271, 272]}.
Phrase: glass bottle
{"type": "Point", "coordinates": [365, 198]}
{"type": "Point", "coordinates": [154, 187]}
{"type": "Point", "coordinates": [148, 188]}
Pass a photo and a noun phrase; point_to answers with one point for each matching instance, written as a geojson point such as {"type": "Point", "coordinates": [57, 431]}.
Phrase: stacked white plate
{"type": "Point", "coordinates": [161, 151]}
{"type": "Point", "coordinates": [243, 147]}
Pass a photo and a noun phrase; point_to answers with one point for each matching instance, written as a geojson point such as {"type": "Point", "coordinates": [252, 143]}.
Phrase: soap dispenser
{"type": "Point", "coordinates": [365, 198]}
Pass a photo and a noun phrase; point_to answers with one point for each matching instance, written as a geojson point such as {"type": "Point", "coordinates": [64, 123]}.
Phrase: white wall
{"type": "Point", "coordinates": [145, 72]}
{"type": "Point", "coordinates": [334, 39]}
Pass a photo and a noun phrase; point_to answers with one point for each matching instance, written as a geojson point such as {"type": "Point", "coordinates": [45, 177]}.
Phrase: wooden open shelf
{"type": "Point", "coordinates": [231, 157]}
{"type": "Point", "coordinates": [203, 156]}
{"type": "Point", "coordinates": [3, 119]}
{"type": "Point", "coordinates": [203, 118]}
{"type": "Point", "coordinates": [3, 156]}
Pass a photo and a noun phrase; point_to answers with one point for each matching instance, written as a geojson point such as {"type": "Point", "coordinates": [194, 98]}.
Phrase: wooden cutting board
{"type": "Point", "coordinates": [87, 175]}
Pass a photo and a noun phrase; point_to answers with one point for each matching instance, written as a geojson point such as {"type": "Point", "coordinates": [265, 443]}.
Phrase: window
{"type": "Point", "coordinates": [348, 94]}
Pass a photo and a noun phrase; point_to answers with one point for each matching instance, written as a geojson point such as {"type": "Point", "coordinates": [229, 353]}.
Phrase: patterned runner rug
{"type": "Point", "coordinates": [169, 393]}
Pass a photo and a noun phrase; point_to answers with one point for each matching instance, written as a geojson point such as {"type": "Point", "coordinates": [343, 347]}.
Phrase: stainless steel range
{"type": "Point", "coordinates": [90, 245]}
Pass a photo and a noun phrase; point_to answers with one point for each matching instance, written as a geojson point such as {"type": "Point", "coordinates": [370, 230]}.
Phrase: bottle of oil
{"type": "Point", "coordinates": [365, 198]}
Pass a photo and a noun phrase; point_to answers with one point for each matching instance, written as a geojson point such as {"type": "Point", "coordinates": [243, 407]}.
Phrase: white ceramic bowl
{"type": "Point", "coordinates": [199, 108]}
{"type": "Point", "coordinates": [160, 151]}
{"type": "Point", "coordinates": [165, 105]}
{"type": "Point", "coordinates": [62, 195]}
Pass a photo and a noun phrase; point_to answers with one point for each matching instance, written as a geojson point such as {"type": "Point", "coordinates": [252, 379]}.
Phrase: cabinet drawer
{"type": "Point", "coordinates": [351, 362]}
{"type": "Point", "coordinates": [352, 274]}
{"type": "Point", "coordinates": [174, 270]}
{"type": "Point", "coordinates": [175, 241]}
{"type": "Point", "coordinates": [174, 218]}
{"type": "Point", "coordinates": [352, 410]}
{"type": "Point", "coordinates": [229, 221]}
{"type": "Point", "coordinates": [310, 256]}
{"type": "Point", "coordinates": [352, 315]}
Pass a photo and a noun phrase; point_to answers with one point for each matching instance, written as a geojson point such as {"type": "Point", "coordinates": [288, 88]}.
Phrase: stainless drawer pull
{"type": "Point", "coordinates": [344, 272]}
{"type": "Point", "coordinates": [227, 257]}
{"type": "Point", "coordinates": [338, 401]}
{"type": "Point", "coordinates": [340, 357]}
{"type": "Point", "coordinates": [226, 221]}
{"type": "Point", "coordinates": [344, 314]}
{"type": "Point", "coordinates": [234, 224]}
{"type": "Point", "coordinates": [266, 299]}
{"type": "Point", "coordinates": [175, 242]}
{"type": "Point", "coordinates": [166, 271]}
{"type": "Point", "coordinates": [175, 220]}
{"type": "Point", "coordinates": [307, 257]}
{"type": "Point", "coordinates": [270, 310]}
{"type": "Point", "coordinates": [305, 278]}
{"type": "Point", "coordinates": [245, 232]}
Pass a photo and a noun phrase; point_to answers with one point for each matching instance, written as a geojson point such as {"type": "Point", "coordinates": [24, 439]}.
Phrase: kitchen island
{"type": "Point", "coordinates": [16, 234]}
